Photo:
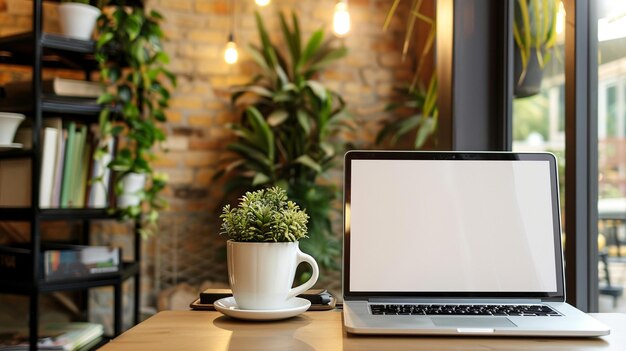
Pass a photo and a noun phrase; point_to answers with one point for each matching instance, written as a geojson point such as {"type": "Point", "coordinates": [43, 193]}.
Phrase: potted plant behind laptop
{"type": "Point", "coordinates": [263, 251]}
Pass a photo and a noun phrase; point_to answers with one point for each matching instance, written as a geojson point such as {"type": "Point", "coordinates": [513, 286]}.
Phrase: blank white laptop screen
{"type": "Point", "coordinates": [450, 226]}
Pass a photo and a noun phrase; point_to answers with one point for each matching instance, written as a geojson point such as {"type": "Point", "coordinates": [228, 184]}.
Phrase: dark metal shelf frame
{"type": "Point", "coordinates": [25, 287]}
{"type": "Point", "coordinates": [18, 153]}
{"type": "Point", "coordinates": [44, 50]}
{"type": "Point", "coordinates": [55, 214]}
{"type": "Point", "coordinates": [58, 51]}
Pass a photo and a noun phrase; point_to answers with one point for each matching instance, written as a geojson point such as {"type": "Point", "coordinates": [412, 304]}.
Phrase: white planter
{"type": "Point", "coordinates": [8, 126]}
{"type": "Point", "coordinates": [77, 20]}
{"type": "Point", "coordinates": [261, 274]}
{"type": "Point", "coordinates": [132, 184]}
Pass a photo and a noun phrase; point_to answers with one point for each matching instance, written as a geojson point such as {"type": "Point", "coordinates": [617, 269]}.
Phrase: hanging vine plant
{"type": "Point", "coordinates": [133, 68]}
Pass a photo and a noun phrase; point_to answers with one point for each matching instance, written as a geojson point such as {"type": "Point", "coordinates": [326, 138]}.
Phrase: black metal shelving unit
{"type": "Point", "coordinates": [57, 51]}
{"type": "Point", "coordinates": [42, 50]}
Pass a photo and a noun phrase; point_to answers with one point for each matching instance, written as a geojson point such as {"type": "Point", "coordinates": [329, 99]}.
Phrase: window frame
{"type": "Point", "coordinates": [479, 116]}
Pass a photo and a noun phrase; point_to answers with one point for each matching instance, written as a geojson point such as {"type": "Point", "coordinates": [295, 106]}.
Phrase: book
{"type": "Point", "coordinates": [57, 86]}
{"type": "Point", "coordinates": [75, 161]}
{"type": "Point", "coordinates": [321, 299]}
{"type": "Point", "coordinates": [67, 336]}
{"type": "Point", "coordinates": [58, 168]}
{"type": "Point", "coordinates": [66, 184]}
{"type": "Point", "coordinates": [15, 182]}
{"type": "Point", "coordinates": [84, 175]}
{"type": "Point", "coordinates": [80, 261]}
{"type": "Point", "coordinates": [60, 261]}
{"type": "Point", "coordinates": [209, 296]}
{"type": "Point", "coordinates": [48, 158]}
{"type": "Point", "coordinates": [82, 168]}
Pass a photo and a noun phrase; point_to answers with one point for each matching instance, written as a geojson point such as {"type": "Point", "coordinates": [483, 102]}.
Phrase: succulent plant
{"type": "Point", "coordinates": [265, 215]}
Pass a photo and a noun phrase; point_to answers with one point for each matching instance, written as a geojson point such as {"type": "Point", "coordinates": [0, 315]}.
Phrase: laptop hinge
{"type": "Point", "coordinates": [453, 300]}
{"type": "Point", "coordinates": [553, 299]}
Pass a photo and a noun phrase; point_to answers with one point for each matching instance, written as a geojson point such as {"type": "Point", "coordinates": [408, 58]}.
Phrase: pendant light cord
{"type": "Point", "coordinates": [231, 36]}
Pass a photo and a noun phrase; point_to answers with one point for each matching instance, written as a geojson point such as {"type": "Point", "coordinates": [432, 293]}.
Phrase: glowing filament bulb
{"type": "Point", "coordinates": [341, 19]}
{"type": "Point", "coordinates": [560, 19]}
{"type": "Point", "coordinates": [262, 2]}
{"type": "Point", "coordinates": [230, 54]}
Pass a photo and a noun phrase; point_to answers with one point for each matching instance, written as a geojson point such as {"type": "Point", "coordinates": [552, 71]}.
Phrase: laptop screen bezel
{"type": "Point", "coordinates": [558, 295]}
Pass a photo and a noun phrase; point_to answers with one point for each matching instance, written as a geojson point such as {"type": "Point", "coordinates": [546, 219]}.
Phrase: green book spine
{"type": "Point", "coordinates": [84, 172]}
{"type": "Point", "coordinates": [67, 165]}
{"type": "Point", "coordinates": [77, 158]}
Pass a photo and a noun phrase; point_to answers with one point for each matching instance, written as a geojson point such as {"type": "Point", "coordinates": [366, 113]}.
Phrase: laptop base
{"type": "Point", "coordinates": [572, 323]}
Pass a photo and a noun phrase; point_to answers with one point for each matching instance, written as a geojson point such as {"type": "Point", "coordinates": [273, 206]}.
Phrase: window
{"type": "Point", "coordinates": [611, 154]}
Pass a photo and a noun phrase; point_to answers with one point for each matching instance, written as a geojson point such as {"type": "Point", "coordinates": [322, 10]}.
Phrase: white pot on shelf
{"type": "Point", "coordinates": [8, 126]}
{"type": "Point", "coordinates": [77, 20]}
{"type": "Point", "coordinates": [132, 185]}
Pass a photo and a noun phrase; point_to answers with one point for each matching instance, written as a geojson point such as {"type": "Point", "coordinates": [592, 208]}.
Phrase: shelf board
{"type": "Point", "coordinates": [51, 214]}
{"type": "Point", "coordinates": [63, 104]}
{"type": "Point", "coordinates": [17, 153]}
{"type": "Point", "coordinates": [59, 51]}
{"type": "Point", "coordinates": [16, 213]}
{"type": "Point", "coordinates": [54, 105]}
{"type": "Point", "coordinates": [61, 42]}
{"type": "Point", "coordinates": [55, 214]}
{"type": "Point", "coordinates": [129, 270]}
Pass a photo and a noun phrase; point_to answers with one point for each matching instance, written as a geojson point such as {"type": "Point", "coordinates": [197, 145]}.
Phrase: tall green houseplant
{"type": "Point", "coordinates": [415, 109]}
{"type": "Point", "coordinates": [133, 68]}
{"type": "Point", "coordinates": [285, 137]}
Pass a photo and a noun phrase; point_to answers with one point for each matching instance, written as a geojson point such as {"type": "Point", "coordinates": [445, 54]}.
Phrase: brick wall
{"type": "Point", "coordinates": [188, 248]}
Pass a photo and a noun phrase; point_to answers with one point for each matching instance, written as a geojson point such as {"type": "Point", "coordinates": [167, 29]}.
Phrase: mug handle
{"type": "Point", "coordinates": [302, 257]}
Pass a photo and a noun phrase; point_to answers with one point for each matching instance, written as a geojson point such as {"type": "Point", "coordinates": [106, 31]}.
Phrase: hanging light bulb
{"type": "Point", "coordinates": [341, 19]}
{"type": "Point", "coordinates": [262, 2]}
{"type": "Point", "coordinates": [560, 19]}
{"type": "Point", "coordinates": [230, 53]}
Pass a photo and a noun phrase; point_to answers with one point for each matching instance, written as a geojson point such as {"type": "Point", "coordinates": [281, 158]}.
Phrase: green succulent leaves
{"type": "Point", "coordinates": [265, 215]}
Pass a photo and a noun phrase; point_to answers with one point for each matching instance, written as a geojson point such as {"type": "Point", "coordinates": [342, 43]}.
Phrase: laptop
{"type": "Point", "coordinates": [455, 243]}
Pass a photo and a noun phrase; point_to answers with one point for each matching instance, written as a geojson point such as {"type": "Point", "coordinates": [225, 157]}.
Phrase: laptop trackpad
{"type": "Point", "coordinates": [472, 322]}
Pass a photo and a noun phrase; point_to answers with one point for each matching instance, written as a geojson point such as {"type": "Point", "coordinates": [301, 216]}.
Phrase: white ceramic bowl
{"type": "Point", "coordinates": [8, 126]}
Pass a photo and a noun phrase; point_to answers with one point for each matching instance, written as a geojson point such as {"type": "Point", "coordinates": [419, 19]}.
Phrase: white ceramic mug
{"type": "Point", "coordinates": [261, 274]}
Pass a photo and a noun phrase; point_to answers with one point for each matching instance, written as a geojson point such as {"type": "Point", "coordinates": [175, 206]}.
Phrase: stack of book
{"type": "Point", "coordinates": [60, 261]}
{"type": "Point", "coordinates": [16, 93]}
{"type": "Point", "coordinates": [80, 261]}
{"type": "Point", "coordinates": [55, 336]}
{"type": "Point", "coordinates": [67, 164]}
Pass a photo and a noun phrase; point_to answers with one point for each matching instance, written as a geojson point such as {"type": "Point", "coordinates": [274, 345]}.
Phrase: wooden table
{"type": "Point", "coordinates": [202, 330]}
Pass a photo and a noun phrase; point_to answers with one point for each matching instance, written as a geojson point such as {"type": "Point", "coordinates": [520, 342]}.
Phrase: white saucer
{"type": "Point", "coordinates": [228, 306]}
{"type": "Point", "coordinates": [11, 146]}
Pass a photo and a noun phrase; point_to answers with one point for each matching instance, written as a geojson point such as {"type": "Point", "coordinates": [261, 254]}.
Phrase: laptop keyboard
{"type": "Point", "coordinates": [464, 310]}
